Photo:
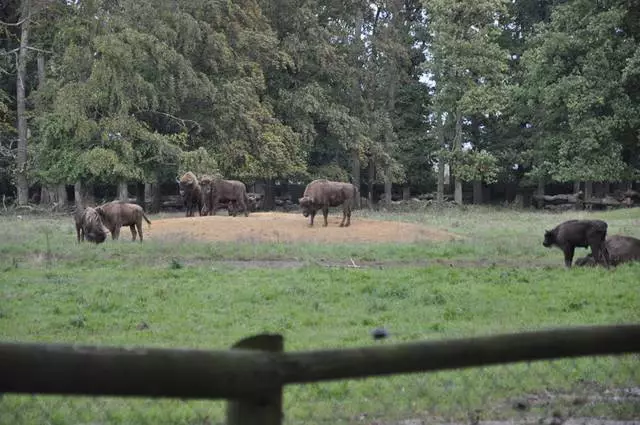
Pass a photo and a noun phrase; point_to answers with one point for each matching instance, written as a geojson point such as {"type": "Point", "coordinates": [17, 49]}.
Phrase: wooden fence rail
{"type": "Point", "coordinates": [253, 373]}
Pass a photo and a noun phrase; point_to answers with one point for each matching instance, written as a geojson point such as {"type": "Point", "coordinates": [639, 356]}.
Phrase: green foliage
{"type": "Point", "coordinates": [290, 89]}
{"type": "Point", "coordinates": [473, 165]}
{"type": "Point", "coordinates": [198, 162]}
{"type": "Point", "coordinates": [582, 110]}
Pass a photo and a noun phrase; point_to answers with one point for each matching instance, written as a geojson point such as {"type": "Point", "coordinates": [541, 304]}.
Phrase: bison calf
{"type": "Point", "coordinates": [118, 213]}
{"type": "Point", "coordinates": [89, 225]}
{"type": "Point", "coordinates": [579, 233]}
{"type": "Point", "coordinates": [621, 249]}
{"type": "Point", "coordinates": [322, 194]}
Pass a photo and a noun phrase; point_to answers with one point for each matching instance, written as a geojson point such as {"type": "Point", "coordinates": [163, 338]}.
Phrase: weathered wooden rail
{"type": "Point", "coordinates": [252, 374]}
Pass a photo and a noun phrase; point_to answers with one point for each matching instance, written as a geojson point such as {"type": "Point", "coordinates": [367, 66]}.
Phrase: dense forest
{"type": "Point", "coordinates": [393, 93]}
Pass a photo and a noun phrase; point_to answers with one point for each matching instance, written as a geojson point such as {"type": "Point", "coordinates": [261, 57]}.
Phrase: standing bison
{"type": "Point", "coordinates": [89, 225]}
{"type": "Point", "coordinates": [118, 213]}
{"type": "Point", "coordinates": [579, 233]}
{"type": "Point", "coordinates": [322, 194]}
{"type": "Point", "coordinates": [621, 249]}
{"type": "Point", "coordinates": [219, 191]}
{"type": "Point", "coordinates": [191, 193]}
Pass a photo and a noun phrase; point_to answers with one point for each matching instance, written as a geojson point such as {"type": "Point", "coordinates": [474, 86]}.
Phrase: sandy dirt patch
{"type": "Point", "coordinates": [283, 227]}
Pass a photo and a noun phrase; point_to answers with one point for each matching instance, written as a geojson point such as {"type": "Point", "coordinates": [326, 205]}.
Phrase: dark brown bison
{"type": "Point", "coordinates": [89, 225]}
{"type": "Point", "coordinates": [118, 213]}
{"type": "Point", "coordinates": [191, 193]}
{"type": "Point", "coordinates": [579, 233]}
{"type": "Point", "coordinates": [218, 191]}
{"type": "Point", "coordinates": [322, 194]}
{"type": "Point", "coordinates": [621, 249]}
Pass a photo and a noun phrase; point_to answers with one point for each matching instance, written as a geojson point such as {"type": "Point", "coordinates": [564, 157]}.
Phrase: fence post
{"type": "Point", "coordinates": [267, 411]}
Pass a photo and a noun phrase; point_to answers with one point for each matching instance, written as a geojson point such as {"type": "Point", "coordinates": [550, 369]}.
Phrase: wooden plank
{"type": "Point", "coordinates": [267, 410]}
{"type": "Point", "coordinates": [315, 366]}
{"type": "Point", "coordinates": [246, 374]}
{"type": "Point", "coordinates": [68, 369]}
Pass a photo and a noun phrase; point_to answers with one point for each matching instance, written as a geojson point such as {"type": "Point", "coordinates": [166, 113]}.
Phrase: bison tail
{"type": "Point", "coordinates": [146, 219]}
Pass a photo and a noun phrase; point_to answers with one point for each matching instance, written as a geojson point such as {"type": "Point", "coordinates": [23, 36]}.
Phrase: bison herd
{"type": "Point", "coordinates": [208, 193]}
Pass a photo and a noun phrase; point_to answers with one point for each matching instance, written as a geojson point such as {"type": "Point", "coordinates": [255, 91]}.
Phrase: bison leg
{"type": "Point", "coordinates": [78, 234]}
{"type": "Point", "coordinates": [600, 252]}
{"type": "Point", "coordinates": [312, 215]}
{"type": "Point", "coordinates": [348, 217]}
{"type": "Point", "coordinates": [139, 226]}
{"type": "Point", "coordinates": [116, 232]}
{"type": "Point", "coordinates": [133, 232]}
{"type": "Point", "coordinates": [568, 255]}
{"type": "Point", "coordinates": [244, 206]}
{"type": "Point", "coordinates": [325, 213]}
{"type": "Point", "coordinates": [214, 203]}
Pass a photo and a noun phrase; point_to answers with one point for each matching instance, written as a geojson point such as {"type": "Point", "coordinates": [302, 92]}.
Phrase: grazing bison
{"type": "Point", "coordinates": [579, 233]}
{"type": "Point", "coordinates": [89, 225]}
{"type": "Point", "coordinates": [621, 249]}
{"type": "Point", "coordinates": [191, 192]}
{"type": "Point", "coordinates": [322, 194]}
{"type": "Point", "coordinates": [118, 213]}
{"type": "Point", "coordinates": [219, 191]}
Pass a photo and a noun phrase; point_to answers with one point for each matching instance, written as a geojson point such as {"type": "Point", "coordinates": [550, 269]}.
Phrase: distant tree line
{"type": "Point", "coordinates": [394, 93]}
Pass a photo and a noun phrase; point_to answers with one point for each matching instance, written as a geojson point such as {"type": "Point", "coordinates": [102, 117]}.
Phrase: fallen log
{"type": "Point", "coordinates": [560, 207]}
{"type": "Point", "coordinates": [570, 198]}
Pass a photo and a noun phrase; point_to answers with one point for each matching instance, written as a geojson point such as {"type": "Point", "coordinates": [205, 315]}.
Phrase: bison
{"type": "Point", "coordinates": [118, 213]}
{"type": "Point", "coordinates": [89, 225]}
{"type": "Point", "coordinates": [621, 249]}
{"type": "Point", "coordinates": [322, 194]}
{"type": "Point", "coordinates": [191, 193]}
{"type": "Point", "coordinates": [218, 191]}
{"type": "Point", "coordinates": [579, 233]}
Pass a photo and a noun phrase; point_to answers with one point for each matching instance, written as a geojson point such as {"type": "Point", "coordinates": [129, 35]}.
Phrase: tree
{"type": "Point", "coordinates": [582, 84]}
{"type": "Point", "coordinates": [468, 66]}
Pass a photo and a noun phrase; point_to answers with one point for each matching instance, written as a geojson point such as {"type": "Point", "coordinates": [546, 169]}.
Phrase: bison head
{"type": "Point", "coordinates": [94, 228]}
{"type": "Point", "coordinates": [306, 204]}
{"type": "Point", "coordinates": [549, 238]}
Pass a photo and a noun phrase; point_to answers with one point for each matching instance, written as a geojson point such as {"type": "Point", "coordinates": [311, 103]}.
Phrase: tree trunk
{"type": "Point", "coordinates": [62, 200]}
{"type": "Point", "coordinates": [387, 186]}
{"type": "Point", "coordinates": [457, 146]}
{"type": "Point", "coordinates": [457, 194]}
{"type": "Point", "coordinates": [540, 193]}
{"type": "Point", "coordinates": [77, 193]}
{"type": "Point", "coordinates": [123, 191]}
{"type": "Point", "coordinates": [357, 105]}
{"type": "Point", "coordinates": [372, 176]}
{"type": "Point", "coordinates": [406, 193]}
{"type": "Point", "coordinates": [588, 190]}
{"type": "Point", "coordinates": [441, 161]}
{"type": "Point", "coordinates": [140, 198]}
{"type": "Point", "coordinates": [576, 187]}
{"type": "Point", "coordinates": [477, 192]}
{"type": "Point", "coordinates": [148, 195]}
{"type": "Point", "coordinates": [21, 156]}
{"type": "Point", "coordinates": [155, 195]}
{"type": "Point", "coordinates": [269, 202]}
{"type": "Point", "coordinates": [355, 173]}
{"type": "Point", "coordinates": [48, 193]}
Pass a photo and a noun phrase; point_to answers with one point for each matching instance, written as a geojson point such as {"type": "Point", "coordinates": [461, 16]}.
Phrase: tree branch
{"type": "Point", "coordinates": [17, 24]}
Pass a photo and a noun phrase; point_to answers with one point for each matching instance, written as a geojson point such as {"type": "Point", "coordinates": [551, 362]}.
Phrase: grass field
{"type": "Point", "coordinates": [191, 291]}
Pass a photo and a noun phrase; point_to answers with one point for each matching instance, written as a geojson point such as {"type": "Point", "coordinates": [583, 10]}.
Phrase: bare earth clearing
{"type": "Point", "coordinates": [282, 227]}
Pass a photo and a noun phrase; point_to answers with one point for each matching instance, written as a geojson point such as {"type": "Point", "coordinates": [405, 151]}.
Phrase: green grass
{"type": "Point", "coordinates": [99, 294]}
